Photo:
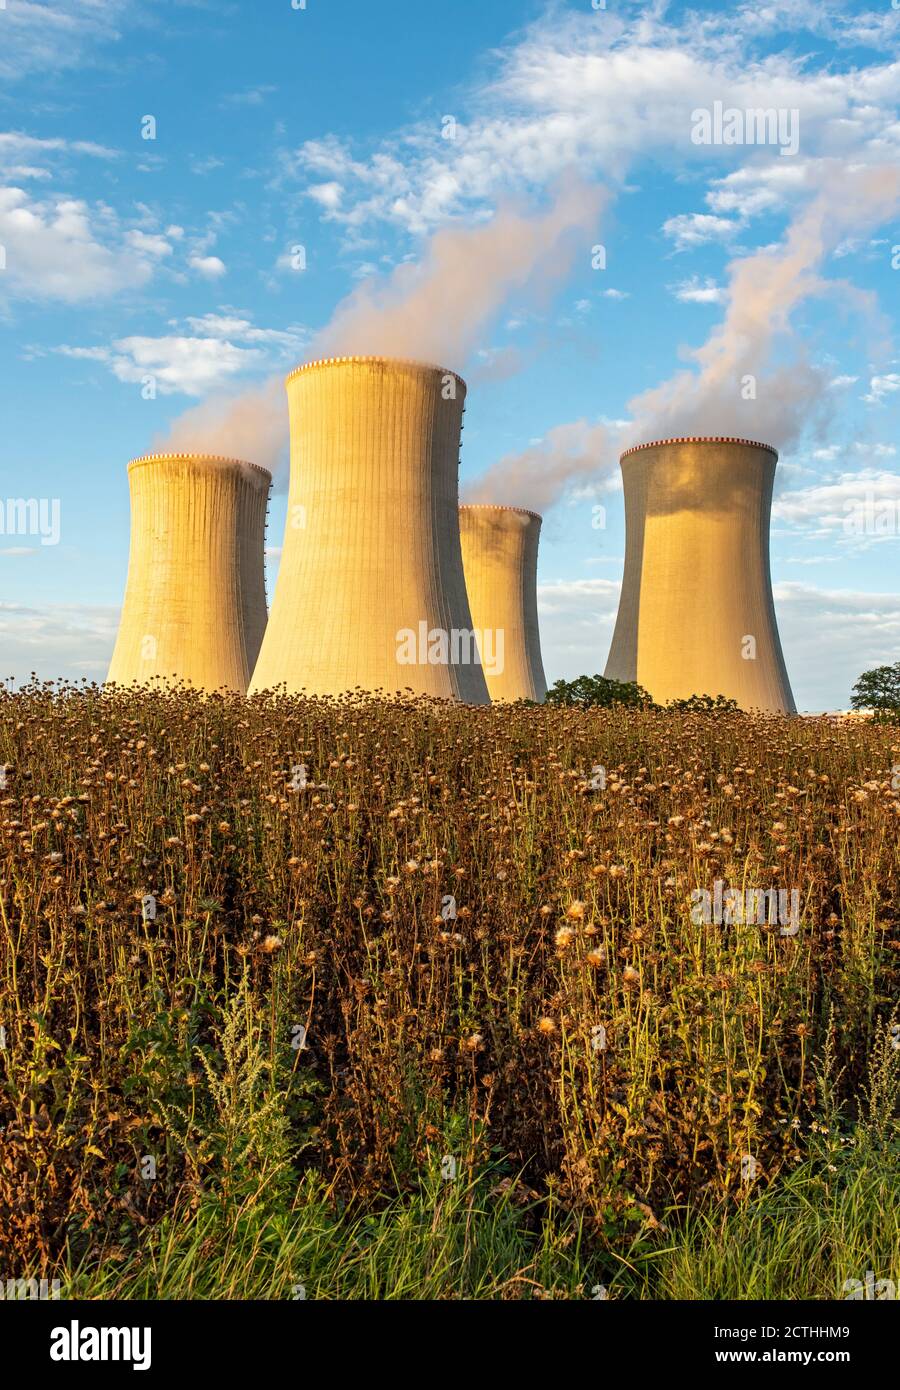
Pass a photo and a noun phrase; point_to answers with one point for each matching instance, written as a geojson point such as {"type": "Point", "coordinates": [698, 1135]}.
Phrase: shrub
{"type": "Point", "coordinates": [598, 692]}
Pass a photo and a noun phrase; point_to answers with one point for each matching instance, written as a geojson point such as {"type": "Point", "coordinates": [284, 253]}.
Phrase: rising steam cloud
{"type": "Point", "coordinates": [539, 475]}
{"type": "Point", "coordinates": [438, 309]}
{"type": "Point", "coordinates": [435, 310]}
{"type": "Point", "coordinates": [252, 426]}
{"type": "Point", "coordinates": [763, 292]}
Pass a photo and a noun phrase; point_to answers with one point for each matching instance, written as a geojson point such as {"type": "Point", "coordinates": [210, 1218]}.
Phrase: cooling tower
{"type": "Point", "coordinates": [371, 593]}
{"type": "Point", "coordinates": [195, 600]}
{"type": "Point", "coordinates": [696, 615]}
{"type": "Point", "coordinates": [499, 551]}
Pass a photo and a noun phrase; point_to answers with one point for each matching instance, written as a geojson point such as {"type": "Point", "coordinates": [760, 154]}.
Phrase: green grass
{"type": "Point", "coordinates": [456, 1239]}
{"type": "Point", "coordinates": [800, 1239]}
{"type": "Point", "coordinates": [482, 1238]}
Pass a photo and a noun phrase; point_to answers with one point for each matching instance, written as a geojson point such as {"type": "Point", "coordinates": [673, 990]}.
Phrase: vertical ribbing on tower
{"type": "Point", "coordinates": [696, 613]}
{"type": "Point", "coordinates": [195, 606]}
{"type": "Point", "coordinates": [500, 553]}
{"type": "Point", "coordinates": [371, 546]}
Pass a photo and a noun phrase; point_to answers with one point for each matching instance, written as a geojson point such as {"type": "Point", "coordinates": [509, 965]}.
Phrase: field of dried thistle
{"type": "Point", "coordinates": [270, 964]}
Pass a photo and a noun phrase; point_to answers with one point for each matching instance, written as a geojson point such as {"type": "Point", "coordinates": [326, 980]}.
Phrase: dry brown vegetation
{"type": "Point", "coordinates": [321, 909]}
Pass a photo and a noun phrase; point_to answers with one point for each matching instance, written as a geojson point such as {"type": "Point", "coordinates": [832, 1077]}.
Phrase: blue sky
{"type": "Point", "coordinates": [327, 128]}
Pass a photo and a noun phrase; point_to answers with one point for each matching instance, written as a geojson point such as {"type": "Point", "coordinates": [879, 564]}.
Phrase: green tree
{"type": "Point", "coordinates": [599, 692]}
{"type": "Point", "coordinates": [706, 704]}
{"type": "Point", "coordinates": [878, 689]}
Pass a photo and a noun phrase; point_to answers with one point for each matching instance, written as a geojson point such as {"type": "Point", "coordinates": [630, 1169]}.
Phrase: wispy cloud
{"type": "Point", "coordinates": [572, 91]}
{"type": "Point", "coordinates": [691, 229]}
{"type": "Point", "coordinates": [827, 507]}
{"type": "Point", "coordinates": [831, 636]}
{"type": "Point", "coordinates": [210, 267]}
{"type": "Point", "coordinates": [41, 38]}
{"type": "Point", "coordinates": [58, 641]}
{"type": "Point", "coordinates": [218, 348]}
{"type": "Point", "coordinates": [697, 291]}
{"type": "Point", "coordinates": [64, 249]}
{"type": "Point", "coordinates": [249, 96]}
{"type": "Point", "coordinates": [881, 387]}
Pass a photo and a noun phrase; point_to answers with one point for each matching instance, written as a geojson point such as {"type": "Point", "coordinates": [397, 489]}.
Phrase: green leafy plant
{"type": "Point", "coordinates": [879, 690]}
{"type": "Point", "coordinates": [598, 692]}
{"type": "Point", "coordinates": [237, 1137]}
{"type": "Point", "coordinates": [706, 704]}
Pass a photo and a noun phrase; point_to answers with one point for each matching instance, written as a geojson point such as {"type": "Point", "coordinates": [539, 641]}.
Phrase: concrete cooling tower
{"type": "Point", "coordinates": [696, 615]}
{"type": "Point", "coordinates": [370, 592]}
{"type": "Point", "coordinates": [499, 551]}
{"type": "Point", "coordinates": [195, 600]}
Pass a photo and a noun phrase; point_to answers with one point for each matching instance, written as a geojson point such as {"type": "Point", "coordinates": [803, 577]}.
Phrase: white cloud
{"type": "Point", "coordinates": [206, 164]}
{"type": "Point", "coordinates": [880, 451]}
{"type": "Point", "coordinates": [573, 92]}
{"type": "Point", "coordinates": [235, 325]}
{"type": "Point", "coordinates": [865, 248]}
{"type": "Point", "coordinates": [828, 20]}
{"type": "Point", "coordinates": [62, 249]}
{"type": "Point", "coordinates": [218, 348]}
{"type": "Point", "coordinates": [880, 387]}
{"type": "Point", "coordinates": [577, 618]}
{"type": "Point", "coordinates": [192, 366]}
{"type": "Point", "coordinates": [690, 229]}
{"type": "Point", "coordinates": [251, 96]}
{"type": "Point", "coordinates": [65, 249]}
{"type": "Point", "coordinates": [831, 636]}
{"type": "Point", "coordinates": [211, 267]}
{"type": "Point", "coordinates": [327, 195]}
{"type": "Point", "coordinates": [57, 641]}
{"type": "Point", "coordinates": [827, 506]}
{"type": "Point", "coordinates": [149, 244]}
{"type": "Point", "coordinates": [810, 559]}
{"type": "Point", "coordinates": [695, 291]}
{"type": "Point", "coordinates": [56, 37]}
{"type": "Point", "coordinates": [581, 455]}
{"type": "Point", "coordinates": [16, 145]}
{"type": "Point", "coordinates": [762, 185]}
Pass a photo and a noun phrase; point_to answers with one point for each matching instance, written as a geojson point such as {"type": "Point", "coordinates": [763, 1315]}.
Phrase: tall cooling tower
{"type": "Point", "coordinates": [195, 601]}
{"type": "Point", "coordinates": [500, 550]}
{"type": "Point", "coordinates": [371, 593]}
{"type": "Point", "coordinates": [696, 615]}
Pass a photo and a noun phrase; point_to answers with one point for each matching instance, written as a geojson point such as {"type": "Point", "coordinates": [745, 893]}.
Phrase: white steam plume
{"type": "Point", "coordinates": [537, 477]}
{"type": "Point", "coordinates": [435, 310]}
{"type": "Point", "coordinates": [764, 290]}
{"type": "Point", "coordinates": [251, 425]}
